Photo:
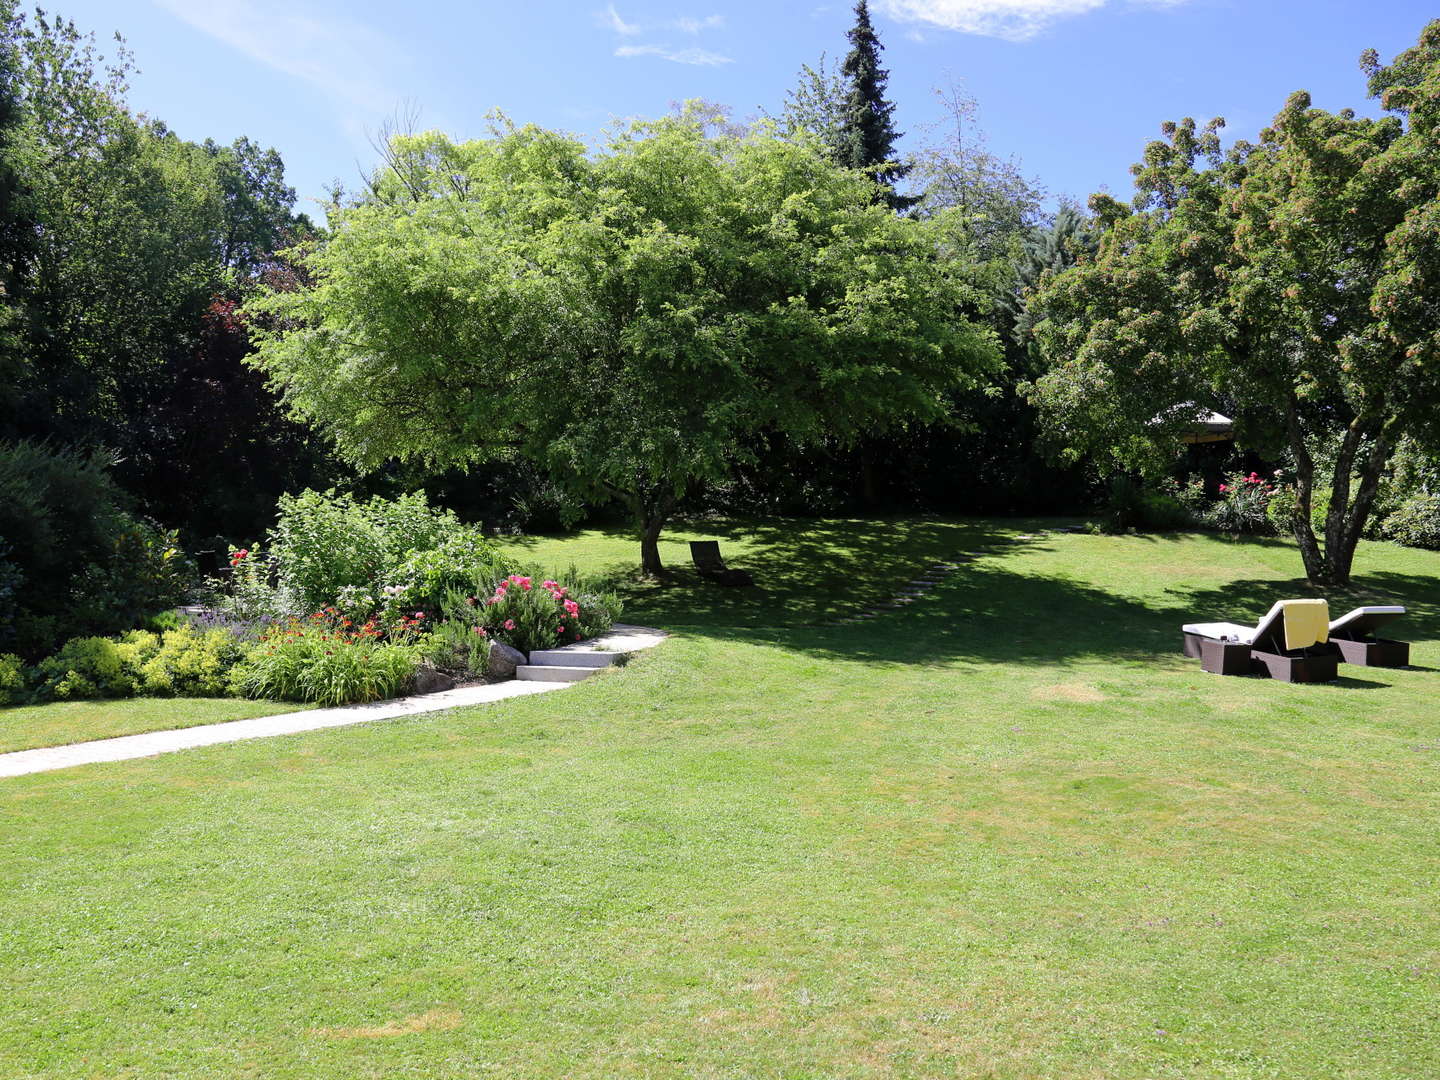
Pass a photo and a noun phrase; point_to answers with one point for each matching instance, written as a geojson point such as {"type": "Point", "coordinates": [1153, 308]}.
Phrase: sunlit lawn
{"type": "Point", "coordinates": [1007, 832]}
{"type": "Point", "coordinates": [63, 722]}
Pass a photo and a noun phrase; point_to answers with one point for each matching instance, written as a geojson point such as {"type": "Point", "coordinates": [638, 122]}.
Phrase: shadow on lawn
{"type": "Point", "coordinates": [812, 573]}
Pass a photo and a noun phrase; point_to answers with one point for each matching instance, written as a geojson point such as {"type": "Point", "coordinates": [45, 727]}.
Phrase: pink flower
{"type": "Point", "coordinates": [572, 607]}
{"type": "Point", "coordinates": [492, 601]}
{"type": "Point", "coordinates": [549, 584]}
{"type": "Point", "coordinates": [1223, 488]}
{"type": "Point", "coordinates": [481, 631]}
{"type": "Point", "coordinates": [509, 624]}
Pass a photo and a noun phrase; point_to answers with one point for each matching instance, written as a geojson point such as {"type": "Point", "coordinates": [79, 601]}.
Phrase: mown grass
{"type": "Point", "coordinates": [62, 722]}
{"type": "Point", "coordinates": [1007, 832]}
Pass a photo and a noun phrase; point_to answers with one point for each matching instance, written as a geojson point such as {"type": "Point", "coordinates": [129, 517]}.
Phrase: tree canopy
{"type": "Point", "coordinates": [625, 318]}
{"type": "Point", "coordinates": [1293, 281]}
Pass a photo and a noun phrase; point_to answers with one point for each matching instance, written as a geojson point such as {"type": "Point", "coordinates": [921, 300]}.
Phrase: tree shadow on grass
{"type": "Point", "coordinates": [988, 613]}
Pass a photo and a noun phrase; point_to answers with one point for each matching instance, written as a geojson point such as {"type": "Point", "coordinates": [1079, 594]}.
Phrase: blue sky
{"type": "Point", "coordinates": [1072, 88]}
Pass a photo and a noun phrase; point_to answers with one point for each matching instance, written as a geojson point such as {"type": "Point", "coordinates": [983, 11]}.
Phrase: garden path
{"type": "Point", "coordinates": [621, 639]}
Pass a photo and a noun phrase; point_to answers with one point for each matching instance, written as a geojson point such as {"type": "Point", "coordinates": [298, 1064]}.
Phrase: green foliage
{"type": "Point", "coordinates": [12, 679]}
{"type": "Point", "coordinates": [190, 663]}
{"type": "Point", "coordinates": [528, 615]}
{"type": "Point", "coordinates": [458, 645]}
{"type": "Point", "coordinates": [1131, 506]}
{"type": "Point", "coordinates": [94, 667]}
{"type": "Point", "coordinates": [1283, 505]}
{"type": "Point", "coordinates": [521, 295]}
{"type": "Point", "coordinates": [1415, 522]}
{"type": "Point", "coordinates": [183, 662]}
{"type": "Point", "coordinates": [79, 562]}
{"type": "Point", "coordinates": [1293, 277]}
{"type": "Point", "coordinates": [318, 662]}
{"type": "Point", "coordinates": [1243, 505]}
{"type": "Point", "coordinates": [326, 542]}
{"type": "Point", "coordinates": [123, 251]}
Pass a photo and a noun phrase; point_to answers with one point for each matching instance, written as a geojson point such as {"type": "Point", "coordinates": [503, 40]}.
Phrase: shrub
{"type": "Point", "coordinates": [95, 667]}
{"type": "Point", "coordinates": [79, 562]}
{"type": "Point", "coordinates": [458, 647]}
{"type": "Point", "coordinates": [12, 679]}
{"type": "Point", "coordinates": [1283, 506]}
{"type": "Point", "coordinates": [1129, 506]}
{"type": "Point", "coordinates": [1242, 505]}
{"type": "Point", "coordinates": [527, 616]}
{"type": "Point", "coordinates": [329, 664]}
{"type": "Point", "coordinates": [184, 662]}
{"type": "Point", "coordinates": [324, 542]}
{"type": "Point", "coordinates": [464, 561]}
{"type": "Point", "coordinates": [190, 663]}
{"type": "Point", "coordinates": [1415, 523]}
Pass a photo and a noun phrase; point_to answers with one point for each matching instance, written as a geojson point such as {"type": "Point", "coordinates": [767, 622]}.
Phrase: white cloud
{"type": "Point", "coordinates": [701, 57]}
{"type": "Point", "coordinates": [610, 18]}
{"type": "Point", "coordinates": [695, 26]}
{"type": "Point", "coordinates": [340, 58]}
{"type": "Point", "coordinates": [1014, 20]}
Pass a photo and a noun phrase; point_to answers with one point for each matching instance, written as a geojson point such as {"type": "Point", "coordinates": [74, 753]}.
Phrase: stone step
{"type": "Point", "coordinates": [553, 673]}
{"type": "Point", "coordinates": [596, 658]}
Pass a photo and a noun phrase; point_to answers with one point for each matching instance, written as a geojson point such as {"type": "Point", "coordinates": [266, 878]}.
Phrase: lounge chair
{"type": "Point", "coordinates": [1289, 644]}
{"type": "Point", "coordinates": [710, 564]}
{"type": "Point", "coordinates": [1354, 636]}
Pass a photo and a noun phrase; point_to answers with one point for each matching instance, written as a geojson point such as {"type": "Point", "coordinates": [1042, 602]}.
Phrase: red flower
{"type": "Point", "coordinates": [240, 556]}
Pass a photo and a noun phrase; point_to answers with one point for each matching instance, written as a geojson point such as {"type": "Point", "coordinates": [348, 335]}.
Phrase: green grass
{"type": "Point", "coordinates": [1007, 832]}
{"type": "Point", "coordinates": [62, 722]}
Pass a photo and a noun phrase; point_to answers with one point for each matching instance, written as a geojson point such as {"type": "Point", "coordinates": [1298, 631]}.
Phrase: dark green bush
{"type": "Point", "coordinates": [78, 562]}
{"type": "Point", "coordinates": [1415, 523]}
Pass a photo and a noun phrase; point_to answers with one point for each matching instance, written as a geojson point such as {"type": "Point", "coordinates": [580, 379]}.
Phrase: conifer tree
{"type": "Point", "coordinates": [868, 136]}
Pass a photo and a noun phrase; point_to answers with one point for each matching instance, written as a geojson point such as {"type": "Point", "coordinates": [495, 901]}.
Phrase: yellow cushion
{"type": "Point", "coordinates": [1307, 622]}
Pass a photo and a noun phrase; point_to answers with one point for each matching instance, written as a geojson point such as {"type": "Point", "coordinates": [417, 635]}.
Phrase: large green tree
{"type": "Point", "coordinates": [1295, 278]}
{"type": "Point", "coordinates": [628, 319]}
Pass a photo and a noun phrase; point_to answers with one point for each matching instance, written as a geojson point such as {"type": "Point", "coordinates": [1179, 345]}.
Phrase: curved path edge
{"type": "Point", "coordinates": [125, 747]}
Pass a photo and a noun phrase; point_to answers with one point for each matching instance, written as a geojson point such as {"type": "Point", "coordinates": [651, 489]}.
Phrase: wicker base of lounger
{"type": "Point", "coordinates": [1377, 652]}
{"type": "Point", "coordinates": [1225, 657]}
{"type": "Point", "coordinates": [1191, 645]}
{"type": "Point", "coordinates": [1311, 667]}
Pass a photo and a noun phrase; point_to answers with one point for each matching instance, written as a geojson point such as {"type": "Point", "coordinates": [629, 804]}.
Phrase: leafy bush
{"type": "Point", "coordinates": [1284, 505]}
{"type": "Point", "coordinates": [79, 562]}
{"type": "Point", "coordinates": [463, 561]}
{"type": "Point", "coordinates": [1415, 523]}
{"type": "Point", "coordinates": [190, 663]}
{"type": "Point", "coordinates": [12, 679]}
{"type": "Point", "coordinates": [184, 662]}
{"type": "Point", "coordinates": [458, 647]}
{"type": "Point", "coordinates": [324, 542]}
{"type": "Point", "coordinates": [95, 667]}
{"type": "Point", "coordinates": [527, 616]}
{"type": "Point", "coordinates": [1242, 505]}
{"type": "Point", "coordinates": [1130, 506]}
{"type": "Point", "coordinates": [327, 663]}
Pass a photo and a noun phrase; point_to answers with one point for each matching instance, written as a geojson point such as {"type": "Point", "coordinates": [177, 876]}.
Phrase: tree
{"type": "Point", "coordinates": [1297, 276]}
{"type": "Point", "coordinates": [867, 134]}
{"type": "Point", "coordinates": [626, 319]}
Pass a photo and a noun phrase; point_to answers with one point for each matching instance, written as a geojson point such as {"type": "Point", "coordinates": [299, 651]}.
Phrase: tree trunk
{"type": "Point", "coordinates": [1310, 552]}
{"type": "Point", "coordinates": [650, 546]}
{"type": "Point", "coordinates": [652, 511]}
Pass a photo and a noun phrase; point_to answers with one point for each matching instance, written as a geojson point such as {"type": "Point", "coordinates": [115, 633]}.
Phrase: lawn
{"type": "Point", "coordinates": [64, 722]}
{"type": "Point", "coordinates": [1007, 832]}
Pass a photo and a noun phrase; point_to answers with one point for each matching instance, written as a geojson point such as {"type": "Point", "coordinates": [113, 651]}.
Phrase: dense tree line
{"type": "Point", "coordinates": [125, 251]}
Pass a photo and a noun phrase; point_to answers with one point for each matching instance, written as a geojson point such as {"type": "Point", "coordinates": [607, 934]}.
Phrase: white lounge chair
{"type": "Point", "coordinates": [1354, 636]}
{"type": "Point", "coordinates": [1277, 645]}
